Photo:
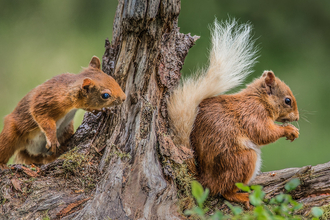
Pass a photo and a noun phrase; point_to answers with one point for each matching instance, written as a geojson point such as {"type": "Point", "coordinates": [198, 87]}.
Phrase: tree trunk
{"type": "Point", "coordinates": [145, 57]}
{"type": "Point", "coordinates": [123, 164]}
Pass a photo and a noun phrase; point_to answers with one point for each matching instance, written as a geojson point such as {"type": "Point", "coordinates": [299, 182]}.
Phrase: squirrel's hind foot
{"type": "Point", "coordinates": [242, 198]}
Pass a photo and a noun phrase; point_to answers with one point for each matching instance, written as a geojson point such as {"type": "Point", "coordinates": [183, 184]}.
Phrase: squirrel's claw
{"type": "Point", "coordinates": [51, 149]}
{"type": "Point", "coordinates": [49, 153]}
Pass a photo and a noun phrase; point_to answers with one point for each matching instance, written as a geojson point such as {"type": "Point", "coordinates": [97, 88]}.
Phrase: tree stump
{"type": "Point", "coordinates": [121, 162]}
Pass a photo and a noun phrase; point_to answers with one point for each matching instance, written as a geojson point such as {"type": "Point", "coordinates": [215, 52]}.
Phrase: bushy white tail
{"type": "Point", "coordinates": [231, 58]}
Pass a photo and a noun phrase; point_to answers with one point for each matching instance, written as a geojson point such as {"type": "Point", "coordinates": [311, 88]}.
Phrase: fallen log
{"type": "Point", "coordinates": [314, 189]}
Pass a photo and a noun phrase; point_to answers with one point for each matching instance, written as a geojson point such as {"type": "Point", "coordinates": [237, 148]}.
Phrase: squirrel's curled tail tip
{"type": "Point", "coordinates": [231, 57]}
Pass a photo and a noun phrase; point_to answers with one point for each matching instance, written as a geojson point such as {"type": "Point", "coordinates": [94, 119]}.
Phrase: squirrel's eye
{"type": "Point", "coordinates": [287, 101]}
{"type": "Point", "coordinates": [105, 96]}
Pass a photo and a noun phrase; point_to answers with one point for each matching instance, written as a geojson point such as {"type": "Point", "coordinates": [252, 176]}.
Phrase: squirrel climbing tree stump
{"type": "Point", "coordinates": [121, 163]}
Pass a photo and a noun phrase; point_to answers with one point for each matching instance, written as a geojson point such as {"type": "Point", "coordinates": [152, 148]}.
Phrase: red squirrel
{"type": "Point", "coordinates": [43, 120]}
{"type": "Point", "coordinates": [226, 132]}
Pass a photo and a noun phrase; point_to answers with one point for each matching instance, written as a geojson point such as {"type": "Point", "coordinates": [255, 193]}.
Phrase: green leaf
{"type": "Point", "coordinates": [257, 196]}
{"type": "Point", "coordinates": [261, 213]}
{"type": "Point", "coordinates": [296, 205]}
{"type": "Point", "coordinates": [202, 199]}
{"type": "Point", "coordinates": [278, 218]}
{"type": "Point", "coordinates": [197, 189]}
{"type": "Point", "coordinates": [243, 187]}
{"type": "Point", "coordinates": [284, 209]}
{"type": "Point", "coordinates": [195, 211]}
{"type": "Point", "coordinates": [317, 212]}
{"type": "Point", "coordinates": [217, 216]}
{"type": "Point", "coordinates": [254, 200]}
{"type": "Point", "coordinates": [256, 187]}
{"type": "Point", "coordinates": [258, 210]}
{"type": "Point", "coordinates": [287, 198]}
{"type": "Point", "coordinates": [199, 211]}
{"type": "Point", "coordinates": [235, 209]}
{"type": "Point", "coordinates": [292, 184]}
{"type": "Point", "coordinates": [279, 198]}
{"type": "Point", "coordinates": [273, 201]}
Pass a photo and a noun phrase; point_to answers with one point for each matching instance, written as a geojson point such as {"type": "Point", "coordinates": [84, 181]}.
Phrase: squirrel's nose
{"type": "Point", "coordinates": [123, 97]}
{"type": "Point", "coordinates": [296, 118]}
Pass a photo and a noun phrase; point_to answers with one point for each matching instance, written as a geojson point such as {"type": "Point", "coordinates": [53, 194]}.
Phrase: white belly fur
{"type": "Point", "coordinates": [256, 148]}
{"type": "Point", "coordinates": [37, 145]}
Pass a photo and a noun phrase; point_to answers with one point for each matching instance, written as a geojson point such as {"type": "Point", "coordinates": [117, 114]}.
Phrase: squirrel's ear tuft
{"type": "Point", "coordinates": [270, 78]}
{"type": "Point", "coordinates": [95, 62]}
{"type": "Point", "coordinates": [87, 84]}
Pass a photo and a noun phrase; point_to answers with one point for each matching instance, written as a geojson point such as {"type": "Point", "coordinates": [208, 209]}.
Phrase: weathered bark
{"type": "Point", "coordinates": [49, 193]}
{"type": "Point", "coordinates": [313, 191]}
{"type": "Point", "coordinates": [122, 165]}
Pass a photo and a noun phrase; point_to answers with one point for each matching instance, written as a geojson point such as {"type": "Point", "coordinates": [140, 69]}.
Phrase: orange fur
{"type": "Point", "coordinates": [43, 120]}
{"type": "Point", "coordinates": [24, 157]}
{"type": "Point", "coordinates": [230, 129]}
{"type": "Point", "coordinates": [227, 131]}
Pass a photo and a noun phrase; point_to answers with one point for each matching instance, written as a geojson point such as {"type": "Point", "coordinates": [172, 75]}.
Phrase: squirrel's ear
{"type": "Point", "coordinates": [95, 62]}
{"type": "Point", "coordinates": [87, 84]}
{"type": "Point", "coordinates": [270, 78]}
{"type": "Point", "coordinates": [269, 81]}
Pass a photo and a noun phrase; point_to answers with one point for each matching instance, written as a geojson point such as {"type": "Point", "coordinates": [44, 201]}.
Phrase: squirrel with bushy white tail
{"type": "Point", "coordinates": [226, 132]}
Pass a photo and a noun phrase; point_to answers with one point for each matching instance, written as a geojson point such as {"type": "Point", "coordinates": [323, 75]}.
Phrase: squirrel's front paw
{"type": "Point", "coordinates": [291, 132]}
{"type": "Point", "coordinates": [52, 148]}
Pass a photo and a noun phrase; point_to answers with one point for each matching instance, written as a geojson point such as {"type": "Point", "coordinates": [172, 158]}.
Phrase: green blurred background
{"type": "Point", "coordinates": [41, 39]}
